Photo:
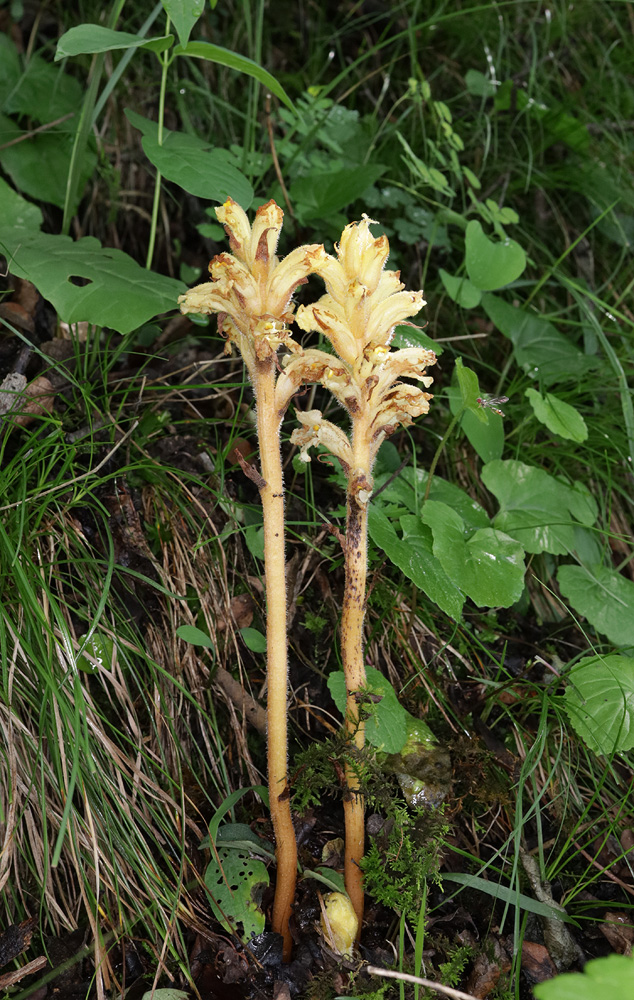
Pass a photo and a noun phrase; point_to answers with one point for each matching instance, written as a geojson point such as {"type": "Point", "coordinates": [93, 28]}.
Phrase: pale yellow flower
{"type": "Point", "coordinates": [250, 288]}
{"type": "Point", "coordinates": [363, 303]}
{"type": "Point", "coordinates": [315, 430]}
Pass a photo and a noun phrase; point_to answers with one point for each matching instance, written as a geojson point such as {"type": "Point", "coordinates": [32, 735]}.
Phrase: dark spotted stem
{"type": "Point", "coordinates": [352, 651]}
{"type": "Point", "coordinates": [272, 496]}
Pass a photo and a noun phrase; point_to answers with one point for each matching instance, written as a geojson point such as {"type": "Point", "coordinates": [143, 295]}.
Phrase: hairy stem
{"type": "Point", "coordinates": [272, 495]}
{"type": "Point", "coordinates": [352, 649]}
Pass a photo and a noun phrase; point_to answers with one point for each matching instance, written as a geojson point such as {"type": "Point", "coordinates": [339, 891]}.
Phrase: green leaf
{"type": "Point", "coordinates": [17, 214]}
{"type": "Point", "coordinates": [483, 428]}
{"type": "Point", "coordinates": [510, 896]}
{"type": "Point", "coordinates": [386, 729]}
{"type": "Point", "coordinates": [166, 994]}
{"type": "Point", "coordinates": [10, 68]}
{"type": "Point", "coordinates": [87, 39]}
{"type": "Point", "coordinates": [460, 290]}
{"type": "Point", "coordinates": [239, 836]}
{"type": "Point", "coordinates": [318, 195]}
{"type": "Point", "coordinates": [189, 633]}
{"type": "Point", "coordinates": [183, 15]}
{"type": "Point", "coordinates": [469, 389]}
{"type": "Point", "coordinates": [235, 882]}
{"type": "Point", "coordinates": [254, 537]}
{"type": "Point", "coordinates": [225, 57]}
{"type": "Point", "coordinates": [331, 879]}
{"type": "Point", "coordinates": [411, 336]}
{"type": "Point", "coordinates": [23, 161]}
{"type": "Point", "coordinates": [559, 417]}
{"type": "Point", "coordinates": [117, 293]}
{"type": "Point", "coordinates": [612, 976]}
{"type": "Point", "coordinates": [193, 164]}
{"type": "Point", "coordinates": [602, 596]}
{"type": "Point", "coordinates": [478, 84]}
{"type": "Point", "coordinates": [44, 92]}
{"type": "Point", "coordinates": [488, 565]}
{"type": "Point", "coordinates": [409, 488]}
{"type": "Point", "coordinates": [539, 348]}
{"type": "Point", "coordinates": [471, 178]}
{"type": "Point", "coordinates": [253, 640]}
{"type": "Point", "coordinates": [536, 508]}
{"type": "Point", "coordinates": [415, 558]}
{"type": "Point", "coordinates": [599, 700]}
{"type": "Point", "coordinates": [100, 648]}
{"type": "Point", "coordinates": [489, 264]}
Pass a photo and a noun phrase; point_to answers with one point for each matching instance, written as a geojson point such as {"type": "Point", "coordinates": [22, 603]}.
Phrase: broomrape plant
{"type": "Point", "coordinates": [362, 305]}
{"type": "Point", "coordinates": [251, 291]}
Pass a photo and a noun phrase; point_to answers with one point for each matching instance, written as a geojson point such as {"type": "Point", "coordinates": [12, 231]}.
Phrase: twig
{"type": "Point", "coordinates": [34, 131]}
{"type": "Point", "coordinates": [374, 970]}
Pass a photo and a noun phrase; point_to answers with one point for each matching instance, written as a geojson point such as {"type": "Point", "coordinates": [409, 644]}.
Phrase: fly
{"type": "Point", "coordinates": [491, 403]}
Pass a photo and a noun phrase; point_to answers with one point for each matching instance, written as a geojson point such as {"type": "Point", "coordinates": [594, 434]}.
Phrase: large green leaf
{"type": "Point", "coordinates": [85, 281]}
{"type": "Point", "coordinates": [193, 164]}
{"type": "Point", "coordinates": [487, 564]}
{"type": "Point", "coordinates": [44, 92]}
{"type": "Point", "coordinates": [538, 346]}
{"type": "Point", "coordinates": [612, 976]}
{"type": "Point", "coordinates": [386, 729]}
{"type": "Point", "coordinates": [491, 264]}
{"type": "Point", "coordinates": [600, 702]}
{"type": "Point", "coordinates": [409, 488]}
{"type": "Point", "coordinates": [319, 195]}
{"type": "Point", "coordinates": [415, 558]}
{"type": "Point", "coordinates": [92, 38]}
{"type": "Point", "coordinates": [460, 290]}
{"type": "Point", "coordinates": [17, 215]}
{"type": "Point", "coordinates": [559, 417]}
{"type": "Point", "coordinates": [10, 68]}
{"type": "Point", "coordinates": [225, 57]}
{"type": "Point", "coordinates": [536, 508]}
{"type": "Point", "coordinates": [38, 164]}
{"type": "Point", "coordinates": [602, 596]}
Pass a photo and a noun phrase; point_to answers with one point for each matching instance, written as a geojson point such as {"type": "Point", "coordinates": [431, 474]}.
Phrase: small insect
{"type": "Point", "coordinates": [491, 403]}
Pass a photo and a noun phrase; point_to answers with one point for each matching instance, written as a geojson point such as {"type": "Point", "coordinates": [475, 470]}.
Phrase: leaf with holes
{"type": "Point", "coordinates": [235, 883]}
{"type": "Point", "coordinates": [87, 282]}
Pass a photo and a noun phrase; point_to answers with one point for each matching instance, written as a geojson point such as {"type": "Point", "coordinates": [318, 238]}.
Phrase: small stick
{"type": "Point", "coordinates": [374, 970]}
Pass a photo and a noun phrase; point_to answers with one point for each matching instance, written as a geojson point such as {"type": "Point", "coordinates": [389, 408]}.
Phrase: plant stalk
{"type": "Point", "coordinates": [352, 651]}
{"type": "Point", "coordinates": [263, 375]}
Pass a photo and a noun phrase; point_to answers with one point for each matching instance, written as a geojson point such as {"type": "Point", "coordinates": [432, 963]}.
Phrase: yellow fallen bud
{"type": "Point", "coordinates": [339, 923]}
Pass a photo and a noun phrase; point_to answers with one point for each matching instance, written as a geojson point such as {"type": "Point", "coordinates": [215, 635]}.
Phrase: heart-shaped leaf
{"type": "Point", "coordinates": [491, 264]}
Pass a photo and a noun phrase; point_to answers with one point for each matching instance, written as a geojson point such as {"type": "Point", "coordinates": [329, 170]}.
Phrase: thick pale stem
{"type": "Point", "coordinates": [352, 651]}
{"type": "Point", "coordinates": [272, 495]}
